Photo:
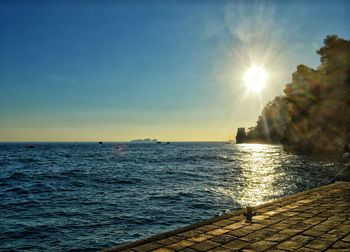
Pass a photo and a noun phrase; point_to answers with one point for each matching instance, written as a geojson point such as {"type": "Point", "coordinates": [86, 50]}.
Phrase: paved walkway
{"type": "Point", "coordinates": [315, 220]}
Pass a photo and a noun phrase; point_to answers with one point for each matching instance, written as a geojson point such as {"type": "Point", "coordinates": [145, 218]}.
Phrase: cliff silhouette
{"type": "Point", "coordinates": [313, 116]}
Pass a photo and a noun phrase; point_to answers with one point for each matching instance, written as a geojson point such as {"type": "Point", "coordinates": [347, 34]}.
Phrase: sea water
{"type": "Point", "coordinates": [82, 197]}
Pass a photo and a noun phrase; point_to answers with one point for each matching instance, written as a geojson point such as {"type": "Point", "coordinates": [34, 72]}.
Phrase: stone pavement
{"type": "Point", "coordinates": [315, 220]}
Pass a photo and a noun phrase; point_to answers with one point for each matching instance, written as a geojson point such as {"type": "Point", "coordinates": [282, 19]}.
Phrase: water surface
{"type": "Point", "coordinates": [91, 196]}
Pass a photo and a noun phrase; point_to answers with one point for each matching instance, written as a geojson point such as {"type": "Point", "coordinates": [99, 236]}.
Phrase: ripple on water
{"type": "Point", "coordinates": [90, 196]}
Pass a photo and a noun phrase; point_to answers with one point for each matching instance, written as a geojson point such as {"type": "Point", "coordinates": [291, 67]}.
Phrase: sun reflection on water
{"type": "Point", "coordinates": [258, 177]}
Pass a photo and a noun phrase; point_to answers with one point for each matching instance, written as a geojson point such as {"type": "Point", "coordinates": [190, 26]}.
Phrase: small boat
{"type": "Point", "coordinates": [100, 142]}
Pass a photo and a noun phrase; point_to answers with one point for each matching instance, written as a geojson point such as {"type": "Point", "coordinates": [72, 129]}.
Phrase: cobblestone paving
{"type": "Point", "coordinates": [315, 220]}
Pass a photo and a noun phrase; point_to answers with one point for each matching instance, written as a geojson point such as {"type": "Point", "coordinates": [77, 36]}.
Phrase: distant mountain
{"type": "Point", "coordinates": [146, 140]}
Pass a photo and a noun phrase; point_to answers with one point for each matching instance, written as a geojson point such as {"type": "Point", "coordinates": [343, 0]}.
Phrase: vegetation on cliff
{"type": "Point", "coordinates": [319, 102]}
{"type": "Point", "coordinates": [270, 124]}
{"type": "Point", "coordinates": [314, 115]}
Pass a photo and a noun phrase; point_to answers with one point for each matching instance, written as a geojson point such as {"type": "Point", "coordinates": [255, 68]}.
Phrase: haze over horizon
{"type": "Point", "coordinates": [117, 71]}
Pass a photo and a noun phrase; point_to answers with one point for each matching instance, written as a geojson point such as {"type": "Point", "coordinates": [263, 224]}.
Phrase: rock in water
{"type": "Point", "coordinates": [346, 155]}
{"type": "Point", "coordinates": [241, 135]}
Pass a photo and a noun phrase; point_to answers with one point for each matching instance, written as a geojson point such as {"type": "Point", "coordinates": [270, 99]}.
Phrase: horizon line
{"type": "Point", "coordinates": [129, 141]}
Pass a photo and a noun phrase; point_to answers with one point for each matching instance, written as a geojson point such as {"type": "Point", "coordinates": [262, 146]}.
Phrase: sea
{"type": "Point", "coordinates": [90, 196]}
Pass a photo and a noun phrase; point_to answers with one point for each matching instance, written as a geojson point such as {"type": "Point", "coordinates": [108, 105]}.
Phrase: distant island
{"type": "Point", "coordinates": [313, 115]}
{"type": "Point", "coordinates": [146, 140]}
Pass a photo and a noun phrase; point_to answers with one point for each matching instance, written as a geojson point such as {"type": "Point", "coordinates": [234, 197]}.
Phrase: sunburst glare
{"type": "Point", "coordinates": [255, 78]}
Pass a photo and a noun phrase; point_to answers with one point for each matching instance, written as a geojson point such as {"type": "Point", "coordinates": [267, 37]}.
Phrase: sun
{"type": "Point", "coordinates": [255, 78]}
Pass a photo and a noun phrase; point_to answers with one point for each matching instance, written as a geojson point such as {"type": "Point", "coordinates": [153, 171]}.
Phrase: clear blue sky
{"type": "Point", "coordinates": [172, 70]}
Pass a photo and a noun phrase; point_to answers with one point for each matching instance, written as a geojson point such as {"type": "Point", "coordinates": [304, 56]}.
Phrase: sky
{"type": "Point", "coordinates": [171, 70]}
